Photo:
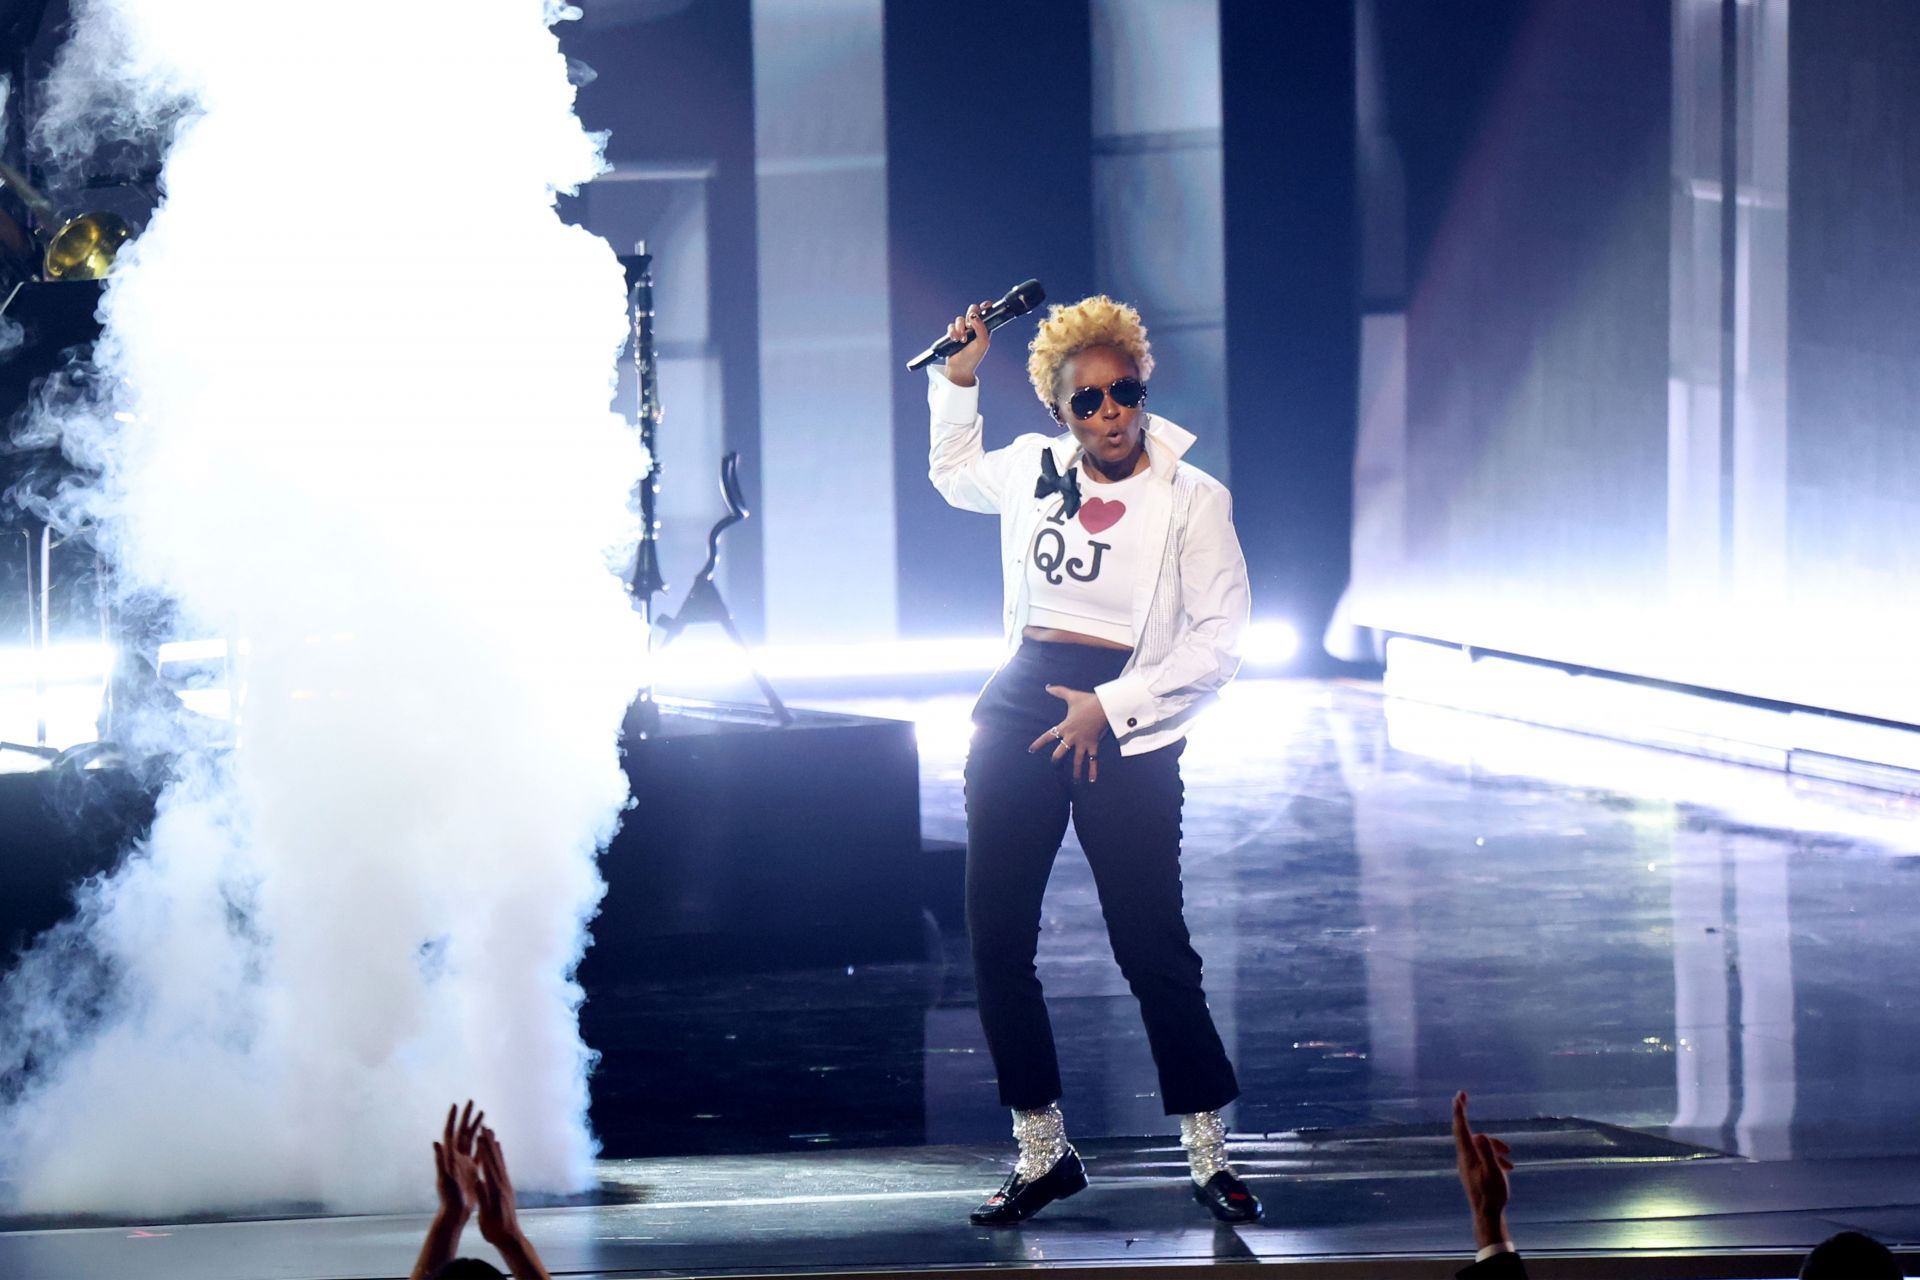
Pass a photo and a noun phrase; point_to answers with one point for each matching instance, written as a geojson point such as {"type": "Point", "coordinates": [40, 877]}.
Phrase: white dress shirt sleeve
{"type": "Point", "coordinates": [1216, 600]}
{"type": "Point", "coordinates": [957, 463]}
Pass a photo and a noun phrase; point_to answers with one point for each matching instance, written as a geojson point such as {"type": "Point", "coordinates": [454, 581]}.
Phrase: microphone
{"type": "Point", "coordinates": [1020, 299]}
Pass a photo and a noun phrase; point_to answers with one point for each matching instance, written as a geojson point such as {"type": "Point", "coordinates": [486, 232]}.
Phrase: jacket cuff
{"type": "Point", "coordinates": [957, 405]}
{"type": "Point", "coordinates": [1127, 703]}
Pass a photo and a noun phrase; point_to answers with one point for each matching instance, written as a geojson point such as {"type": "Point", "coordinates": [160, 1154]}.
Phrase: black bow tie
{"type": "Point", "coordinates": [1051, 481]}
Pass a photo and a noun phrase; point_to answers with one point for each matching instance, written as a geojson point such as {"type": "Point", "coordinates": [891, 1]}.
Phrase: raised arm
{"type": "Point", "coordinates": [958, 463]}
{"type": "Point", "coordinates": [499, 1218]}
{"type": "Point", "coordinates": [458, 1180]}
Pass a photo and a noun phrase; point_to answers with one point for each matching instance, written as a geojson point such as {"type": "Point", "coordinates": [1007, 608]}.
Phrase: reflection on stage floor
{"type": "Point", "coordinates": [1394, 901]}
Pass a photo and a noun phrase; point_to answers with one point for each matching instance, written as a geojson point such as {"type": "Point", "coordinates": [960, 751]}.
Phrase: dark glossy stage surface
{"type": "Point", "coordinates": [1394, 901]}
{"type": "Point", "coordinates": [1707, 972]}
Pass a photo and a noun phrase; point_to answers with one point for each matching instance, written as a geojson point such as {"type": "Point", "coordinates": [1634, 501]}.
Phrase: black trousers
{"type": "Point", "coordinates": [1018, 807]}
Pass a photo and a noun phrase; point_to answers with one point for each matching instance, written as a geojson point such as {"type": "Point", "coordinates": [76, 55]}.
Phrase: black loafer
{"type": "Point", "coordinates": [1017, 1199]}
{"type": "Point", "coordinates": [1228, 1199]}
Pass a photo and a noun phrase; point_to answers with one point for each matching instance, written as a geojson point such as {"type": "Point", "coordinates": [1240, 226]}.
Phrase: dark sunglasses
{"type": "Point", "coordinates": [1126, 393]}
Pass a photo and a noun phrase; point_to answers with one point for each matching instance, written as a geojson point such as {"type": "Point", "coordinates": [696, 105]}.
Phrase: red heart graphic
{"type": "Point", "coordinates": [1097, 514]}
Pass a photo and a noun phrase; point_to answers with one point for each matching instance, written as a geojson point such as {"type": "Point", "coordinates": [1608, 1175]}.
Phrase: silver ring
{"type": "Point", "coordinates": [1055, 731]}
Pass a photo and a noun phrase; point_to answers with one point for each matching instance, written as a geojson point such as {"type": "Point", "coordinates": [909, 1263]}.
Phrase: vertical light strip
{"type": "Point", "coordinates": [826, 431]}
{"type": "Point", "coordinates": [1694, 389]}
{"type": "Point", "coordinates": [1727, 403]}
{"type": "Point", "coordinates": [1759, 395]}
{"type": "Point", "coordinates": [1703, 1046]}
{"type": "Point", "coordinates": [1763, 927]}
{"type": "Point", "coordinates": [1159, 228]}
{"type": "Point", "coordinates": [1159, 223]}
{"type": "Point", "coordinates": [1729, 262]}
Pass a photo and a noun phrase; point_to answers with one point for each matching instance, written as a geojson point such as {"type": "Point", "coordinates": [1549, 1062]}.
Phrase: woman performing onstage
{"type": "Point", "coordinates": [1126, 586]}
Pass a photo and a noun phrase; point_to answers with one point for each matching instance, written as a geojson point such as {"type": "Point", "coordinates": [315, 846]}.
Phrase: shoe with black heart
{"type": "Point", "coordinates": [1228, 1199]}
{"type": "Point", "coordinates": [1018, 1199]}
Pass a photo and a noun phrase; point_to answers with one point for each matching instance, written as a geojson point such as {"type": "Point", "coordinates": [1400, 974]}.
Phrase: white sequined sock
{"type": "Point", "coordinates": [1204, 1135]}
{"type": "Point", "coordinates": [1042, 1135]}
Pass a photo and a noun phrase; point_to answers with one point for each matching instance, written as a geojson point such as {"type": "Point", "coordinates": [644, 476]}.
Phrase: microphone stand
{"type": "Point", "coordinates": [703, 602]}
{"type": "Point", "coordinates": [647, 581]}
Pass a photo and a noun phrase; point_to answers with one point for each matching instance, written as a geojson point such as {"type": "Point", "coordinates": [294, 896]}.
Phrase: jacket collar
{"type": "Point", "coordinates": [1166, 443]}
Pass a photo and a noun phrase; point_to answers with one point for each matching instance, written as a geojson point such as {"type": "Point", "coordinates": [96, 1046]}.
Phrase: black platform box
{"type": "Point", "coordinates": [755, 845]}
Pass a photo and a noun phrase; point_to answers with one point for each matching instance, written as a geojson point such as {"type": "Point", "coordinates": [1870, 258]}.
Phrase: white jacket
{"type": "Point", "coordinates": [1189, 607]}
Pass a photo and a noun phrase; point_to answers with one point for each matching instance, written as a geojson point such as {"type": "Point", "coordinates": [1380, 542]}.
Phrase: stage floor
{"type": "Point", "coordinates": [1706, 973]}
{"type": "Point", "coordinates": [1393, 1213]}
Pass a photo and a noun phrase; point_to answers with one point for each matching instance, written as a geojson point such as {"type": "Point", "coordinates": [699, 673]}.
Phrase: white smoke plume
{"type": "Point", "coordinates": [363, 374]}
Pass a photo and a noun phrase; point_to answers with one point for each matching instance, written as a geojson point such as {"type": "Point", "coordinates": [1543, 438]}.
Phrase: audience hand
{"type": "Point", "coordinates": [1484, 1165]}
{"type": "Point", "coordinates": [499, 1220]}
{"type": "Point", "coordinates": [457, 1177]}
{"type": "Point", "coordinates": [471, 1176]}
{"type": "Point", "coordinates": [453, 1158]}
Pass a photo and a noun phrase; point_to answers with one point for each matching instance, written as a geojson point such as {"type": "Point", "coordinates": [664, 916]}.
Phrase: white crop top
{"type": "Point", "coordinates": [1080, 572]}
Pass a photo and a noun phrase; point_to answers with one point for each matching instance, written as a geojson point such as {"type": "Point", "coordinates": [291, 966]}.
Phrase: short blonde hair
{"type": "Point", "coordinates": [1098, 321]}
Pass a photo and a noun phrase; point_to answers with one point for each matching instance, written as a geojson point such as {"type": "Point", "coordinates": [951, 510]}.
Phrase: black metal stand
{"type": "Point", "coordinates": [704, 603]}
{"type": "Point", "coordinates": [647, 581]}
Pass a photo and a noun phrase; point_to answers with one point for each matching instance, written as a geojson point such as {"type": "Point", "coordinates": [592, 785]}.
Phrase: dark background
{"type": "Point", "coordinates": [1492, 185]}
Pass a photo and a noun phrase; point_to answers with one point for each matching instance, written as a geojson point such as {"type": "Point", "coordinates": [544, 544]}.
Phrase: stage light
{"type": "Point", "coordinates": [58, 688]}
{"type": "Point", "coordinates": [56, 664]}
{"type": "Point", "coordinates": [702, 661]}
{"type": "Point", "coordinates": [1523, 720]}
{"type": "Point", "coordinates": [1246, 732]}
{"type": "Point", "coordinates": [708, 659]}
{"type": "Point", "coordinates": [1270, 644]}
{"type": "Point", "coordinates": [696, 662]}
{"type": "Point", "coordinates": [215, 704]}
{"type": "Point", "coordinates": [953, 656]}
{"type": "Point", "coordinates": [213, 650]}
{"type": "Point", "coordinates": [942, 723]}
{"type": "Point", "coordinates": [705, 660]}
{"type": "Point", "coordinates": [1599, 704]}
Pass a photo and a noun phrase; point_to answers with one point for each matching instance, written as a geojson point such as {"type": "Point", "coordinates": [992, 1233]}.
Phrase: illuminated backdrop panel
{"type": "Point", "coordinates": [1643, 396]}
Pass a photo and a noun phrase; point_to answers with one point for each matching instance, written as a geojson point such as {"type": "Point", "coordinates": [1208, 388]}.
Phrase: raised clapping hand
{"type": "Point", "coordinates": [499, 1222]}
{"type": "Point", "coordinates": [472, 1176]}
{"type": "Point", "coordinates": [1484, 1165]}
{"type": "Point", "coordinates": [1080, 732]}
{"type": "Point", "coordinates": [453, 1160]}
{"type": "Point", "coordinates": [962, 363]}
